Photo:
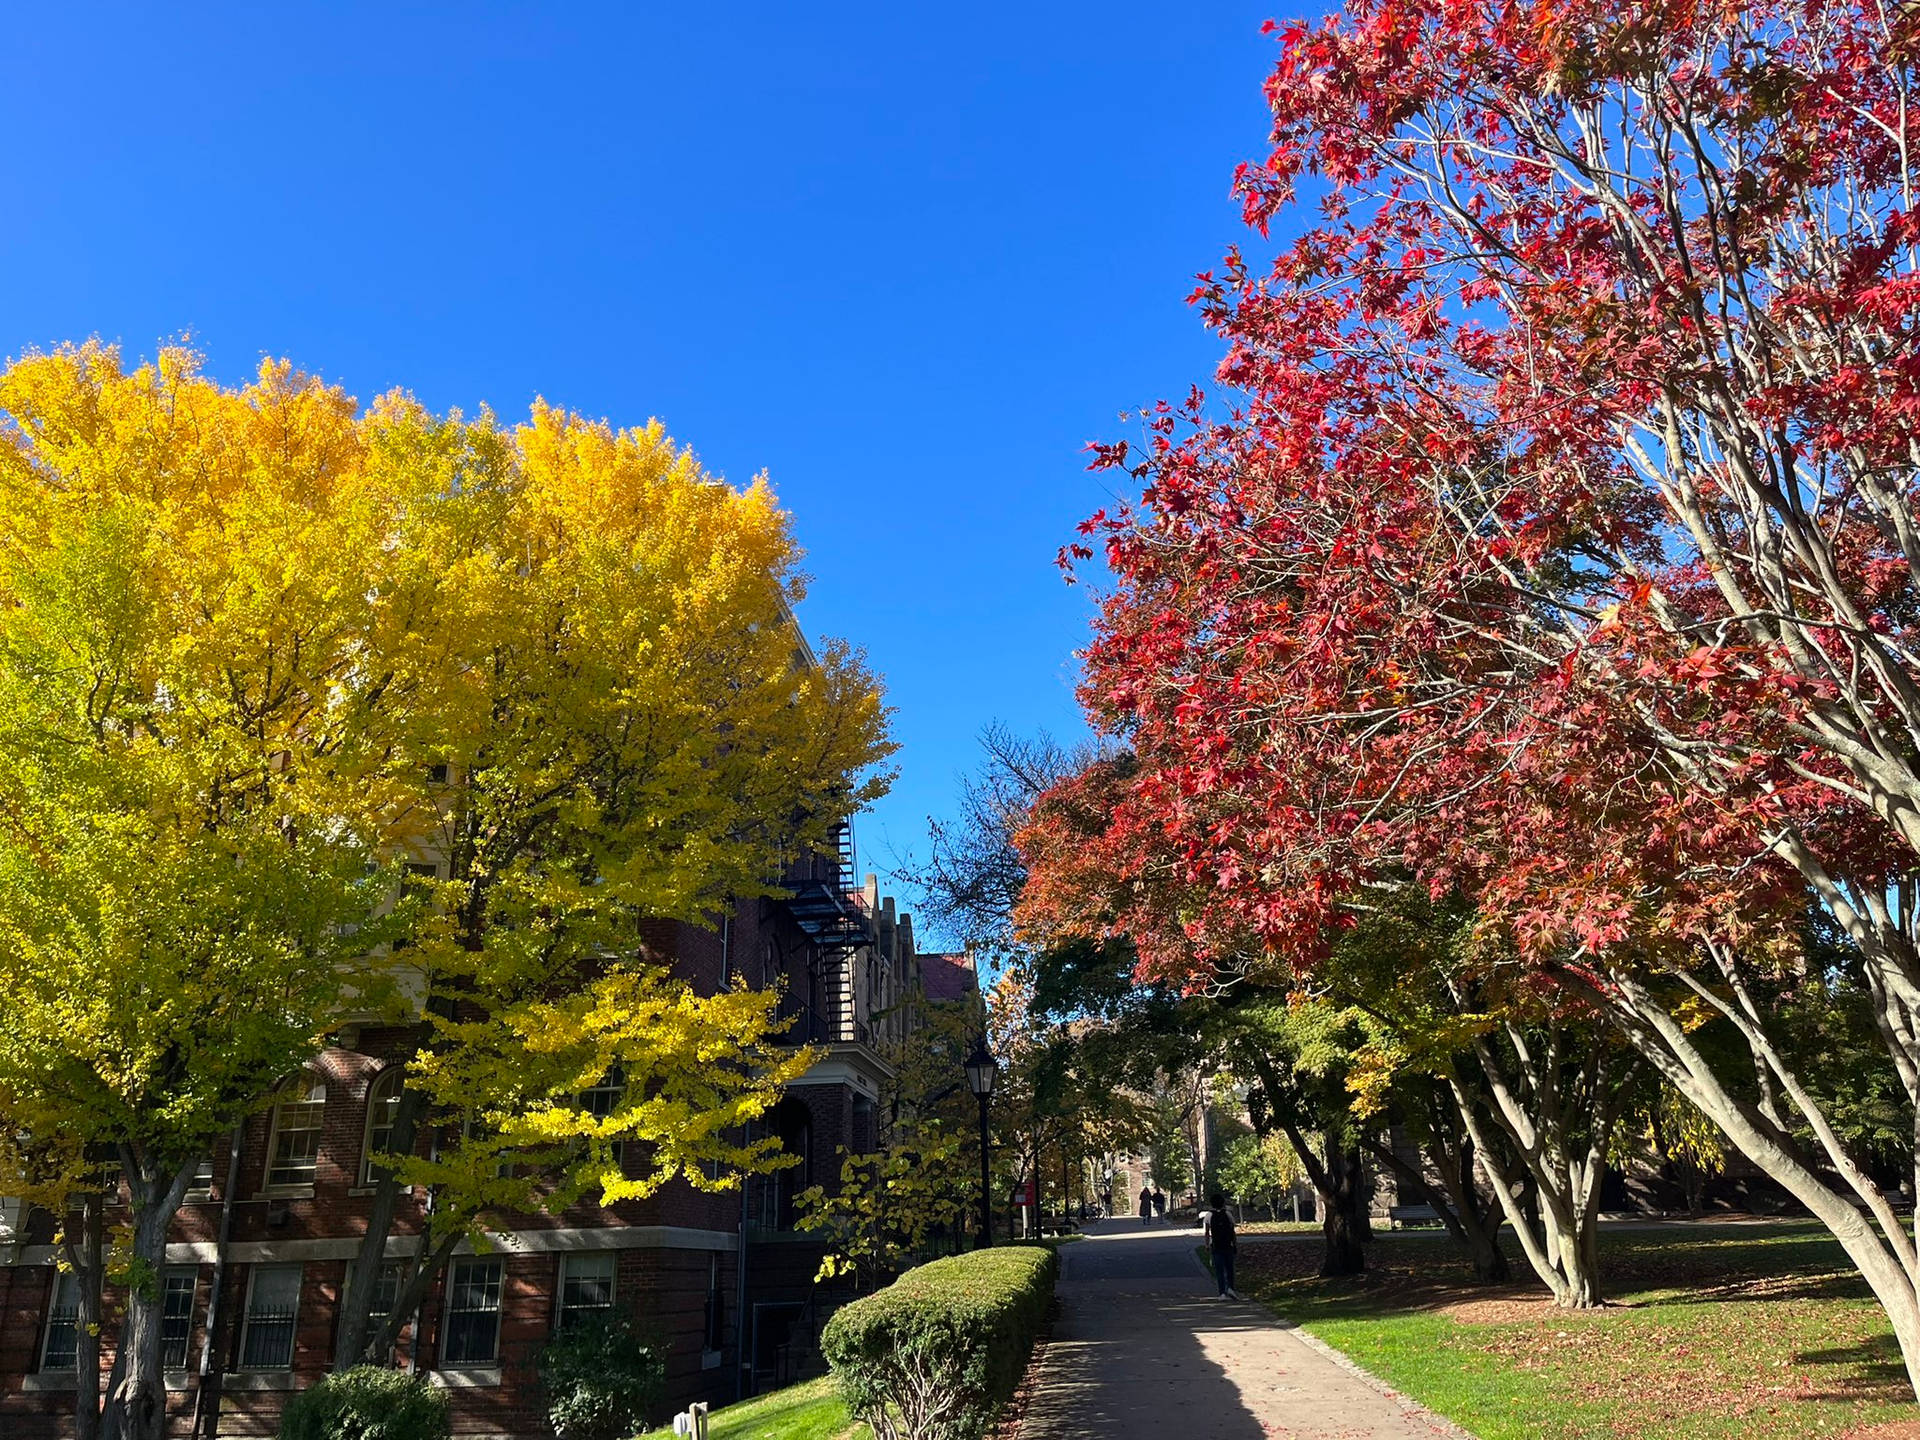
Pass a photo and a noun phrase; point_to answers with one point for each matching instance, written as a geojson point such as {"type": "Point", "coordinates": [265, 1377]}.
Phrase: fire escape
{"type": "Point", "coordinates": [835, 927]}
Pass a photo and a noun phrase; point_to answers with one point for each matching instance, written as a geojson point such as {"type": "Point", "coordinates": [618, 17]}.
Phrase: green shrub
{"type": "Point", "coordinates": [937, 1354]}
{"type": "Point", "coordinates": [600, 1379]}
{"type": "Point", "coordinates": [366, 1403]}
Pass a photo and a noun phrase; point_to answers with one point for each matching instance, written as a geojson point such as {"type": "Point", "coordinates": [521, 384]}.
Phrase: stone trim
{"type": "Point", "coordinates": [511, 1242]}
{"type": "Point", "coordinates": [467, 1377]}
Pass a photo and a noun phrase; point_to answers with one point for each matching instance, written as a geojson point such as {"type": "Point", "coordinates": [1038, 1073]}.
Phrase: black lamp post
{"type": "Point", "coordinates": [982, 1071]}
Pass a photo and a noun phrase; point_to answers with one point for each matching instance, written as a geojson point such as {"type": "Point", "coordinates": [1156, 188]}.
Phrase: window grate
{"type": "Point", "coordinates": [273, 1307]}
{"type": "Point", "coordinates": [176, 1319]}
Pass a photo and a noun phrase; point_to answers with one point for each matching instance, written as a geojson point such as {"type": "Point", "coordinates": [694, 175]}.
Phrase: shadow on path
{"type": "Point", "coordinates": [1144, 1348]}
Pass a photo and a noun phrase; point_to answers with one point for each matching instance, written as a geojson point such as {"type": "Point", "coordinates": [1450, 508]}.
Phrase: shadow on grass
{"type": "Point", "coordinates": [1876, 1361]}
{"type": "Point", "coordinates": [1703, 1265]}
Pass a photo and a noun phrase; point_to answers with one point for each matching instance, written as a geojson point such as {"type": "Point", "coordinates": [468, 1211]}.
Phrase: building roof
{"type": "Point", "coordinates": [948, 976]}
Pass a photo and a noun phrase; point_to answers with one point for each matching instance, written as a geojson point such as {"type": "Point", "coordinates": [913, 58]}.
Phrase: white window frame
{"type": "Point", "coordinates": [606, 1259]}
{"type": "Point", "coordinates": [314, 1093]}
{"type": "Point", "coordinates": [168, 1276]}
{"type": "Point", "coordinates": [65, 1282]}
{"type": "Point", "coordinates": [346, 1285]}
{"type": "Point", "coordinates": [603, 1099]}
{"type": "Point", "coordinates": [391, 1078]}
{"type": "Point", "coordinates": [247, 1316]}
{"type": "Point", "coordinates": [200, 1187]}
{"type": "Point", "coordinates": [498, 1311]}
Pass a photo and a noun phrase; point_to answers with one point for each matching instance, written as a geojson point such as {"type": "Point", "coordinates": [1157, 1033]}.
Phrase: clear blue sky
{"type": "Point", "coordinates": [907, 259]}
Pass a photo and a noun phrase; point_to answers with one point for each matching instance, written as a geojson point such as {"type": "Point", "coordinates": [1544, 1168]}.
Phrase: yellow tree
{"type": "Point", "coordinates": [196, 718]}
{"type": "Point", "coordinates": [632, 728]}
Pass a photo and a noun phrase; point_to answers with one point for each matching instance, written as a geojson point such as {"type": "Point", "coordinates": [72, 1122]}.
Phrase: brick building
{"type": "Point", "coordinates": [259, 1256]}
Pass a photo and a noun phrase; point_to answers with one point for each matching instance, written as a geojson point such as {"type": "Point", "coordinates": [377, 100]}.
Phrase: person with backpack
{"type": "Point", "coordinates": [1221, 1242]}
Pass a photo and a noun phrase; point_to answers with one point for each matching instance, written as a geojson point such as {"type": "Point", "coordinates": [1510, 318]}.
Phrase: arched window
{"type": "Point", "coordinates": [293, 1149]}
{"type": "Point", "coordinates": [383, 1104]}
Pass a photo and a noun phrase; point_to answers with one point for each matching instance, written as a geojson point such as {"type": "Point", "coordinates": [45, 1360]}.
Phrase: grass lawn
{"type": "Point", "coordinates": [810, 1410]}
{"type": "Point", "coordinates": [1715, 1331]}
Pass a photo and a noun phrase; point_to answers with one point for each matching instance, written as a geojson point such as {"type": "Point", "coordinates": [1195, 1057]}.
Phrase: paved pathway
{"type": "Point", "coordinates": [1143, 1348]}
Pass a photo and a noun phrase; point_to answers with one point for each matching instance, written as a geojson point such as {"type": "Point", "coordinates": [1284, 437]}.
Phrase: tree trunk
{"type": "Point", "coordinates": [137, 1405]}
{"type": "Point", "coordinates": [1457, 1205]}
{"type": "Point", "coordinates": [357, 1345]}
{"type": "Point", "coordinates": [1874, 1240]}
{"type": "Point", "coordinates": [1345, 1225]}
{"type": "Point", "coordinates": [1558, 1233]}
{"type": "Point", "coordinates": [86, 1257]}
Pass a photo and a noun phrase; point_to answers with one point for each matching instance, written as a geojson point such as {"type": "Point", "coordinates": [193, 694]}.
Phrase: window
{"type": "Point", "coordinates": [439, 774]}
{"type": "Point", "coordinates": [383, 1103]}
{"type": "Point", "coordinates": [386, 1294]}
{"type": "Point", "coordinates": [201, 1186]}
{"type": "Point", "coordinates": [176, 1318]}
{"type": "Point", "coordinates": [63, 1315]}
{"type": "Point", "coordinates": [586, 1288]}
{"type": "Point", "coordinates": [603, 1099]}
{"type": "Point", "coordinates": [473, 1314]}
{"type": "Point", "coordinates": [714, 1330]}
{"type": "Point", "coordinates": [294, 1153]}
{"type": "Point", "coordinates": [273, 1304]}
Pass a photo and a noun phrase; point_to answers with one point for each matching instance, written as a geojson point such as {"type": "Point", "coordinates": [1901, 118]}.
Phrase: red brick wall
{"type": "Point", "coordinates": [666, 1289]}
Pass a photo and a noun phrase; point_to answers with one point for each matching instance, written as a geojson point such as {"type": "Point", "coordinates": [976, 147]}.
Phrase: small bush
{"type": "Point", "coordinates": [938, 1353]}
{"type": "Point", "coordinates": [600, 1380]}
{"type": "Point", "coordinates": [366, 1403]}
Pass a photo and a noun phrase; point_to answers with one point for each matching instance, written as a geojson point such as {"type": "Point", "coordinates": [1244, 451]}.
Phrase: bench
{"type": "Point", "coordinates": [1402, 1216]}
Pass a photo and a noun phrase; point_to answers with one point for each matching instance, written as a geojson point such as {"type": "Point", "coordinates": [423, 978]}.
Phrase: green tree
{"type": "Point", "coordinates": [1261, 1169]}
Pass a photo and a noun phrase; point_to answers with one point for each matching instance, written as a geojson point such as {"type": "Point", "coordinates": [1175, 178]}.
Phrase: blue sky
{"type": "Point", "coordinates": [908, 260]}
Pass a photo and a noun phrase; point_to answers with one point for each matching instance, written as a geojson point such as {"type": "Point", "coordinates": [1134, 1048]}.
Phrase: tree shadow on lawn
{"type": "Point", "coordinates": [1874, 1361]}
{"type": "Point", "coordinates": [1427, 1273]}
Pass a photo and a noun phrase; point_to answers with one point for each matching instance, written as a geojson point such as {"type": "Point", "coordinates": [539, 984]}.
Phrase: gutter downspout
{"type": "Point", "coordinates": [203, 1411]}
{"type": "Point", "coordinates": [740, 1326]}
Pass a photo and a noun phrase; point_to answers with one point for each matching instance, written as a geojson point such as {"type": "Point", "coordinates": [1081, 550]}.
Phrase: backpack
{"type": "Point", "coordinates": [1220, 1229]}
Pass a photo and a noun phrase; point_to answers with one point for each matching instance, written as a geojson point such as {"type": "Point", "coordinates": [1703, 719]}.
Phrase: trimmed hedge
{"type": "Point", "coordinates": [366, 1403]}
{"type": "Point", "coordinates": [938, 1353]}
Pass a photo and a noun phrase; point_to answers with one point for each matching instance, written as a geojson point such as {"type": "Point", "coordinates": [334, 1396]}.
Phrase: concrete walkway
{"type": "Point", "coordinates": [1144, 1348]}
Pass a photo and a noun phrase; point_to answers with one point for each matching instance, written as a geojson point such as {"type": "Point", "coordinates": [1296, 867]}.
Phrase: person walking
{"type": "Point", "coordinates": [1221, 1242]}
{"type": "Point", "coordinates": [1160, 1204]}
{"type": "Point", "coordinates": [1146, 1206]}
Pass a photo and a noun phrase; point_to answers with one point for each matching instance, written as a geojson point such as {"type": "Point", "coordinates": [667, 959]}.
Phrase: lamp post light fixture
{"type": "Point", "coordinates": [982, 1071]}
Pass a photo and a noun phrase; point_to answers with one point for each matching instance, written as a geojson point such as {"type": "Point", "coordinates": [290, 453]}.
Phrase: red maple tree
{"type": "Point", "coordinates": [1558, 542]}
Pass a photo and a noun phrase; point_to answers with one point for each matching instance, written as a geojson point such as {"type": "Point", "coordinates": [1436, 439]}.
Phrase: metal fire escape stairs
{"type": "Point", "coordinates": [835, 926]}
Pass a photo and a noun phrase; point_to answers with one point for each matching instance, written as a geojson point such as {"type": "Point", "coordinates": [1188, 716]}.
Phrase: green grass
{"type": "Point", "coordinates": [1715, 1332]}
{"type": "Point", "coordinates": [811, 1410]}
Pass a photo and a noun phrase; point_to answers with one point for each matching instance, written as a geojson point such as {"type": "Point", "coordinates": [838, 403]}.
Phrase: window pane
{"type": "Point", "coordinates": [601, 1100]}
{"type": "Point", "coordinates": [473, 1313]}
{"type": "Point", "coordinates": [201, 1187]}
{"type": "Point", "coordinates": [62, 1317]}
{"type": "Point", "coordinates": [176, 1318]}
{"type": "Point", "coordinates": [273, 1304]}
{"type": "Point", "coordinates": [383, 1104]}
{"type": "Point", "coordinates": [586, 1286]}
{"type": "Point", "coordinates": [386, 1290]}
{"type": "Point", "coordinates": [296, 1137]}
